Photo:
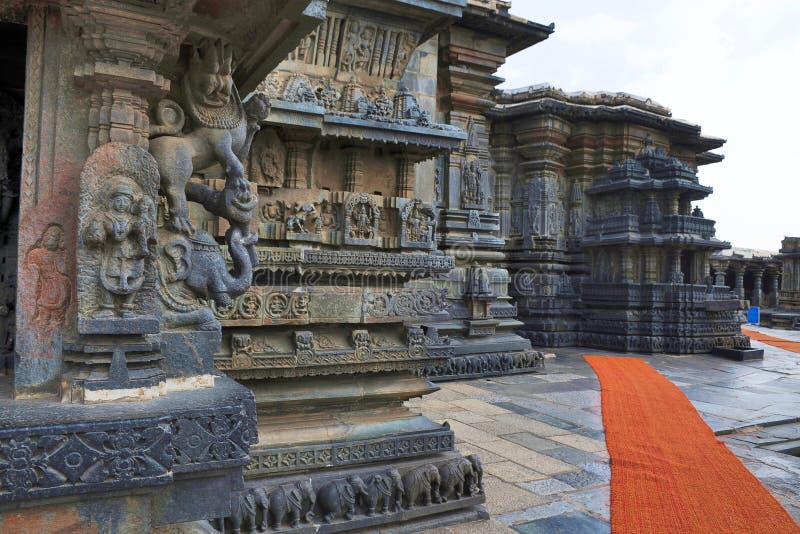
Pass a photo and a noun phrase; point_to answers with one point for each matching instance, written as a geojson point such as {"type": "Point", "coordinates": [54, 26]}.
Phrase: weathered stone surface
{"type": "Point", "coordinates": [625, 242]}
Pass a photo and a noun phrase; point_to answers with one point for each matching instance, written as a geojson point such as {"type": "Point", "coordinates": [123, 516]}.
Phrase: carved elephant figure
{"type": "Point", "coordinates": [476, 364]}
{"type": "Point", "coordinates": [381, 489]}
{"type": "Point", "coordinates": [295, 499]}
{"type": "Point", "coordinates": [423, 484]}
{"type": "Point", "coordinates": [519, 360]}
{"type": "Point", "coordinates": [450, 367]}
{"type": "Point", "coordinates": [506, 361]}
{"type": "Point", "coordinates": [493, 363]}
{"type": "Point", "coordinates": [244, 509]}
{"type": "Point", "coordinates": [477, 470]}
{"type": "Point", "coordinates": [399, 489]}
{"type": "Point", "coordinates": [456, 475]}
{"type": "Point", "coordinates": [338, 497]}
{"type": "Point", "coordinates": [199, 264]}
{"type": "Point", "coordinates": [460, 365]}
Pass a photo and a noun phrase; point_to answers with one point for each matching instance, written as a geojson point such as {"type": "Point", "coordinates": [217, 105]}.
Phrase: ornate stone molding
{"type": "Point", "coordinates": [102, 456]}
{"type": "Point", "coordinates": [476, 366]}
{"type": "Point", "coordinates": [293, 459]}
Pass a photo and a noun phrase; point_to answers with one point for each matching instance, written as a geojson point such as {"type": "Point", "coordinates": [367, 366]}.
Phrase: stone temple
{"type": "Point", "coordinates": [238, 236]}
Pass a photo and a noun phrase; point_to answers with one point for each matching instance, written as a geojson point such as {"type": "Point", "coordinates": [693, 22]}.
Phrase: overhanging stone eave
{"type": "Point", "coordinates": [706, 158]}
{"type": "Point", "coordinates": [653, 239]}
{"type": "Point", "coordinates": [521, 33]}
{"type": "Point", "coordinates": [645, 185]}
{"type": "Point", "coordinates": [432, 15]}
{"type": "Point", "coordinates": [428, 141]}
{"type": "Point", "coordinates": [391, 133]}
{"type": "Point", "coordinates": [583, 112]}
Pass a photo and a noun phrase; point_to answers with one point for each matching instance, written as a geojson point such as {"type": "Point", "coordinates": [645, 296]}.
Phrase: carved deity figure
{"type": "Point", "coordinates": [122, 229]}
{"type": "Point", "coordinates": [418, 222]}
{"type": "Point", "coordinates": [46, 260]}
{"type": "Point", "coordinates": [471, 183]}
{"type": "Point", "coordinates": [328, 95]}
{"type": "Point", "coordinates": [478, 281]}
{"type": "Point", "coordinates": [363, 226]}
{"type": "Point", "coordinates": [348, 60]}
{"type": "Point", "coordinates": [364, 50]}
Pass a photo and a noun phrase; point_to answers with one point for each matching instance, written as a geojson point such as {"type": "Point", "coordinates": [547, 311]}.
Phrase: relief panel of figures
{"type": "Point", "coordinates": [351, 45]}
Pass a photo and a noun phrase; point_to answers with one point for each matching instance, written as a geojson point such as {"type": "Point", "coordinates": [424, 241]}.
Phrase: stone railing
{"type": "Point", "coordinates": [615, 224]}
{"type": "Point", "coordinates": [686, 224]}
{"type": "Point", "coordinates": [627, 294]}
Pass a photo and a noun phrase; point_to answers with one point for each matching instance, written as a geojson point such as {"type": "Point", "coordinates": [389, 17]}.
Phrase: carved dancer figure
{"type": "Point", "coordinates": [123, 231]}
{"type": "Point", "coordinates": [46, 260]}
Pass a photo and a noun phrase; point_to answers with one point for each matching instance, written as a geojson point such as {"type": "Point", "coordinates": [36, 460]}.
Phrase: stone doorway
{"type": "Point", "coordinates": [12, 88]}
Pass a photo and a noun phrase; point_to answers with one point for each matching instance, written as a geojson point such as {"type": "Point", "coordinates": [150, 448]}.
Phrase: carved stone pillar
{"type": "Point", "coordinates": [119, 103]}
{"type": "Point", "coordinates": [122, 74]}
{"type": "Point", "coordinates": [651, 266]}
{"type": "Point", "coordinates": [405, 176]}
{"type": "Point", "coordinates": [705, 267]}
{"type": "Point", "coordinates": [755, 296]}
{"type": "Point", "coordinates": [739, 287]}
{"type": "Point", "coordinates": [298, 143]}
{"type": "Point", "coordinates": [675, 273]}
{"type": "Point", "coordinates": [774, 295]}
{"type": "Point", "coordinates": [503, 169]}
{"type": "Point", "coordinates": [674, 207]}
{"type": "Point", "coordinates": [353, 170]}
{"type": "Point", "coordinates": [627, 265]}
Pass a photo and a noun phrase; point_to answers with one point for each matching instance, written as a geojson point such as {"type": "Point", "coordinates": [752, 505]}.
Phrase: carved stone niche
{"type": "Point", "coordinates": [116, 243]}
{"type": "Point", "coordinates": [362, 218]}
{"type": "Point", "coordinates": [418, 225]}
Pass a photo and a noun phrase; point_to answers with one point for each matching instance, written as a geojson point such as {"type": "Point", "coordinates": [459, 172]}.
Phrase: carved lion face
{"type": "Point", "coordinates": [210, 74]}
{"type": "Point", "coordinates": [211, 89]}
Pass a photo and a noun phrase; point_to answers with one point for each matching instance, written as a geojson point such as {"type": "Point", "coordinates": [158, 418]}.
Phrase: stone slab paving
{"type": "Point", "coordinates": [541, 438]}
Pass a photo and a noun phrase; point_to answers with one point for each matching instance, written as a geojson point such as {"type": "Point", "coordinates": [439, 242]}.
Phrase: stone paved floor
{"type": "Point", "coordinates": [541, 438]}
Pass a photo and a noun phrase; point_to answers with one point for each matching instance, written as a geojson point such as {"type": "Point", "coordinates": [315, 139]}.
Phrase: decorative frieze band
{"type": "Point", "coordinates": [290, 459]}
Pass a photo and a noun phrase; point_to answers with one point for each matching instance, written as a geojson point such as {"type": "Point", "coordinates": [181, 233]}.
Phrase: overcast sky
{"type": "Point", "coordinates": [730, 66]}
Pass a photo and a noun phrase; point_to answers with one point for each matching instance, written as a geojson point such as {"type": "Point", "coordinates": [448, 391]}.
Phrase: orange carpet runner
{"type": "Point", "coordinates": [669, 473]}
{"type": "Point", "coordinates": [793, 346]}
